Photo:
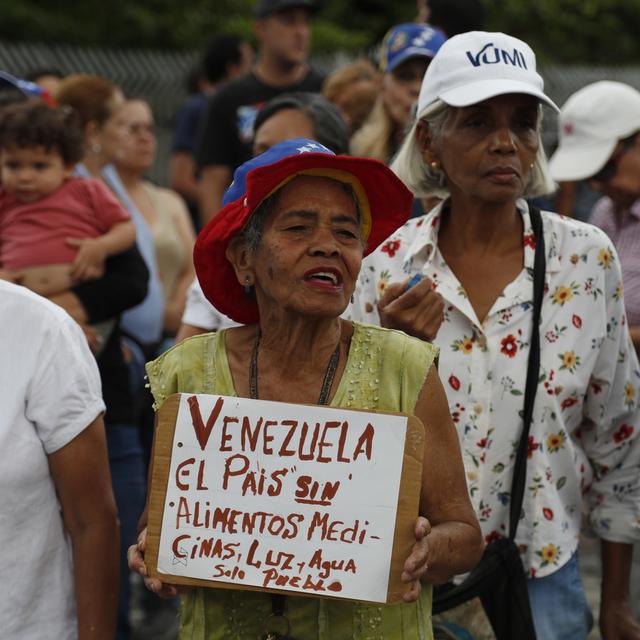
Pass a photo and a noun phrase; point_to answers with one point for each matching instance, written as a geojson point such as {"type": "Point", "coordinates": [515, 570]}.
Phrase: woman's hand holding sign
{"type": "Point", "coordinates": [135, 557]}
{"type": "Point", "coordinates": [416, 564]}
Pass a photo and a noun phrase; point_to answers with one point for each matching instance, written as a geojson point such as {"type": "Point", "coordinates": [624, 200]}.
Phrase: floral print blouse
{"type": "Point", "coordinates": [584, 436]}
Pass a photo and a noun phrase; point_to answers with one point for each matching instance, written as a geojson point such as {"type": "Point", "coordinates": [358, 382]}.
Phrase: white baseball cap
{"type": "Point", "coordinates": [591, 123]}
{"type": "Point", "coordinates": [477, 65]}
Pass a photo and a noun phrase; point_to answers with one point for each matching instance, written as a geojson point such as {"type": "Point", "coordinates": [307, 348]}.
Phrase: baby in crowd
{"type": "Point", "coordinates": [56, 230]}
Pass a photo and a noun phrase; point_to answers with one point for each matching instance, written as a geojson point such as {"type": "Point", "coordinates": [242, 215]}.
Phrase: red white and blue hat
{"type": "Point", "coordinates": [411, 40]}
{"type": "Point", "coordinates": [385, 204]}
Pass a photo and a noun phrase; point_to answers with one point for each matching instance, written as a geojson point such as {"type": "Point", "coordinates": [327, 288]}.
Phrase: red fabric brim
{"type": "Point", "coordinates": [389, 201]}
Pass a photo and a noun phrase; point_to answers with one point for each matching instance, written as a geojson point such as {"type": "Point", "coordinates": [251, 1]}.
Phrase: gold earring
{"type": "Point", "coordinates": [248, 287]}
{"type": "Point", "coordinates": [434, 166]}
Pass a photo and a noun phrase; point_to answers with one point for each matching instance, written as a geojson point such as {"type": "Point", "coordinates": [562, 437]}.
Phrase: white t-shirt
{"type": "Point", "coordinates": [49, 393]}
{"type": "Point", "coordinates": [199, 312]}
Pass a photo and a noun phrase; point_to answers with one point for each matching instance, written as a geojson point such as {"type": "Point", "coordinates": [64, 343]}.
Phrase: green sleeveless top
{"type": "Point", "coordinates": [385, 371]}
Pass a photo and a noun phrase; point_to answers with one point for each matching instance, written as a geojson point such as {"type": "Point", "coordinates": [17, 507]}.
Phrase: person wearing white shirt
{"type": "Point", "coordinates": [58, 524]}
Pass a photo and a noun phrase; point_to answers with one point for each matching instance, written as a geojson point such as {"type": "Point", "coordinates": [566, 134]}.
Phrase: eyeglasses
{"type": "Point", "coordinates": [611, 166]}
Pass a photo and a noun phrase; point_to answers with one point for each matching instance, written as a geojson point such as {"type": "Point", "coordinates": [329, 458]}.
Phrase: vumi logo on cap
{"type": "Point", "coordinates": [486, 55]}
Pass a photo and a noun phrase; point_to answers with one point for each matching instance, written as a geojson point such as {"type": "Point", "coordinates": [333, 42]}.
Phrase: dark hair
{"type": "Point", "coordinates": [10, 95]}
{"type": "Point", "coordinates": [328, 124]}
{"type": "Point", "coordinates": [221, 51]}
{"type": "Point", "coordinates": [193, 79]}
{"type": "Point", "coordinates": [456, 16]}
{"type": "Point", "coordinates": [34, 123]}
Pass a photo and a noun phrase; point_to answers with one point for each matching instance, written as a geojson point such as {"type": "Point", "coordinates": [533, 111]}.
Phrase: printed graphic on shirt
{"type": "Point", "coordinates": [245, 119]}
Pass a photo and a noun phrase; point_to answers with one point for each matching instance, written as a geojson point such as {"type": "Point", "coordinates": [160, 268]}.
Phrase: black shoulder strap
{"type": "Point", "coordinates": [533, 372]}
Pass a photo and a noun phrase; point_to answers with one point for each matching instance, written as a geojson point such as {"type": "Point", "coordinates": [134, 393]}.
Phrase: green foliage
{"type": "Point", "coordinates": [561, 31]}
{"type": "Point", "coordinates": [588, 32]}
{"type": "Point", "coordinates": [165, 24]}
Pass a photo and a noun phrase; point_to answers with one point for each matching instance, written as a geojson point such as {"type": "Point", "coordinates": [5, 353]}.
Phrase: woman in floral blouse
{"type": "Point", "coordinates": [477, 143]}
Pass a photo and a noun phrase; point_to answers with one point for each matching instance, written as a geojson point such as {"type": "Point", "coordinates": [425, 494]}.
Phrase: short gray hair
{"type": "Point", "coordinates": [422, 180]}
{"type": "Point", "coordinates": [251, 234]}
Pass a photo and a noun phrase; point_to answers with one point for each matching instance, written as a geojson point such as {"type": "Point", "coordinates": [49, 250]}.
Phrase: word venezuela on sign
{"type": "Point", "coordinates": [274, 496]}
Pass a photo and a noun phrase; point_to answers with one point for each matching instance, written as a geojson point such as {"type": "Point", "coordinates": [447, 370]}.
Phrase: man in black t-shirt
{"type": "Point", "coordinates": [224, 142]}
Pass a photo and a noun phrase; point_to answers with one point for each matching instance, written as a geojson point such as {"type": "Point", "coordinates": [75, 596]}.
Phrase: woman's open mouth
{"type": "Point", "coordinates": [326, 278]}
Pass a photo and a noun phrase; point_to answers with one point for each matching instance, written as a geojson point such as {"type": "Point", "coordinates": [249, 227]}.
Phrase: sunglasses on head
{"type": "Point", "coordinates": [611, 166]}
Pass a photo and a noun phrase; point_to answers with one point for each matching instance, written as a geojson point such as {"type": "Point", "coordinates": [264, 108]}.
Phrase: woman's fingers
{"type": "Point", "coordinates": [416, 564]}
{"type": "Point", "coordinates": [136, 562]}
{"type": "Point", "coordinates": [413, 593]}
{"type": "Point", "coordinates": [418, 311]}
{"type": "Point", "coordinates": [135, 555]}
{"type": "Point", "coordinates": [161, 589]}
{"type": "Point", "coordinates": [135, 559]}
{"type": "Point", "coordinates": [421, 529]}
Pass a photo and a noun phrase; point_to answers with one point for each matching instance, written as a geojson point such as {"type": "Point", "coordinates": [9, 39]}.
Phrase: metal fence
{"type": "Point", "coordinates": [160, 77]}
{"type": "Point", "coordinates": [157, 76]}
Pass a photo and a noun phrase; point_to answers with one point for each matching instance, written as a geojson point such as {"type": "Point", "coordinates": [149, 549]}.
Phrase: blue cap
{"type": "Point", "coordinates": [28, 88]}
{"type": "Point", "coordinates": [409, 40]}
{"type": "Point", "coordinates": [296, 146]}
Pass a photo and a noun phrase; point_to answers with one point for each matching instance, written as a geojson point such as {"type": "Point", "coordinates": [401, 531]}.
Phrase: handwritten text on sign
{"type": "Point", "coordinates": [285, 496]}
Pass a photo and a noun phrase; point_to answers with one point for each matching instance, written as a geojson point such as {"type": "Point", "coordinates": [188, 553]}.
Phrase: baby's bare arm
{"type": "Point", "coordinates": [92, 252]}
{"type": "Point", "coordinates": [119, 238]}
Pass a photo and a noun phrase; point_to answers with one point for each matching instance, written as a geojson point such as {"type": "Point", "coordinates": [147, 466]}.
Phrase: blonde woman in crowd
{"type": "Point", "coordinates": [406, 52]}
{"type": "Point", "coordinates": [353, 88]}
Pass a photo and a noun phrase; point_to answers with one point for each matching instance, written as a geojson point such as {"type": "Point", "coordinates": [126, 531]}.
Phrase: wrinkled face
{"type": "Point", "coordinates": [310, 251]}
{"type": "Point", "coordinates": [286, 35]}
{"type": "Point", "coordinates": [487, 150]}
{"type": "Point", "coordinates": [285, 124]}
{"type": "Point", "coordinates": [620, 177]}
{"type": "Point", "coordinates": [401, 88]}
{"type": "Point", "coordinates": [30, 173]}
{"type": "Point", "coordinates": [134, 136]}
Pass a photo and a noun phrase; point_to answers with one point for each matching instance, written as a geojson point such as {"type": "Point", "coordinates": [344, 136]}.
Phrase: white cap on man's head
{"type": "Point", "coordinates": [477, 65]}
{"type": "Point", "coordinates": [591, 123]}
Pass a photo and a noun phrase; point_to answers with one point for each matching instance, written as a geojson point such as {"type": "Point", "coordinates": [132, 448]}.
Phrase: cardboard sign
{"type": "Point", "coordinates": [275, 496]}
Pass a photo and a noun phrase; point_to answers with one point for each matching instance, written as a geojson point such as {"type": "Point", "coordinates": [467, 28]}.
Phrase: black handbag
{"type": "Point", "coordinates": [499, 579]}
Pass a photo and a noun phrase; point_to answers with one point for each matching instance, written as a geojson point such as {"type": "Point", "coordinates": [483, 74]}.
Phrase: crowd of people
{"type": "Point", "coordinates": [392, 208]}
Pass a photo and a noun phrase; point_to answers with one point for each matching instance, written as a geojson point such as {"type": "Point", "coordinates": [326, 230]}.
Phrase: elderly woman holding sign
{"type": "Point", "coordinates": [282, 257]}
